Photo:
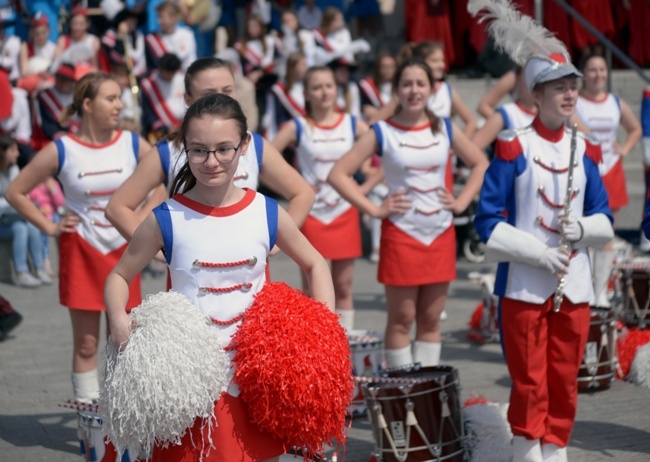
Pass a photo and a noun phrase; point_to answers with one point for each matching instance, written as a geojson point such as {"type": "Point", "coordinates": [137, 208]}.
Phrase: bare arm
{"type": "Point", "coordinates": [385, 112]}
{"type": "Point", "coordinates": [43, 166]}
{"type": "Point", "coordinates": [488, 132]}
{"type": "Point", "coordinates": [146, 242]}
{"type": "Point", "coordinates": [474, 158]}
{"type": "Point", "coordinates": [297, 247]}
{"type": "Point", "coordinates": [632, 127]}
{"type": "Point", "coordinates": [574, 119]}
{"type": "Point", "coordinates": [458, 107]}
{"type": "Point", "coordinates": [505, 85]}
{"type": "Point", "coordinates": [23, 59]}
{"type": "Point", "coordinates": [285, 137]}
{"type": "Point", "coordinates": [59, 49]}
{"type": "Point", "coordinates": [122, 207]}
{"type": "Point", "coordinates": [282, 178]}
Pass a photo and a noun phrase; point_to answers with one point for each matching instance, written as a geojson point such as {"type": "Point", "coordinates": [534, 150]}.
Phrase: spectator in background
{"type": "Point", "coordinates": [310, 15]}
{"type": "Point", "coordinates": [171, 38]}
{"type": "Point", "coordinates": [639, 30]}
{"type": "Point", "coordinates": [36, 54]}
{"type": "Point", "coordinates": [244, 88]}
{"type": "Point", "coordinates": [429, 20]}
{"type": "Point", "coordinates": [125, 31]}
{"type": "Point", "coordinates": [15, 118]}
{"type": "Point", "coordinates": [286, 100]}
{"type": "Point", "coordinates": [367, 16]}
{"type": "Point", "coordinates": [9, 52]}
{"type": "Point", "coordinates": [599, 14]}
{"type": "Point", "coordinates": [80, 47]}
{"type": "Point", "coordinates": [25, 237]}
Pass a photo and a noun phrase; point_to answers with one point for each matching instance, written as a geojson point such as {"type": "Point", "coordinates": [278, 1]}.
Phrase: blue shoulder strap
{"type": "Point", "coordinates": [163, 153]}
{"type": "Point", "coordinates": [165, 222]}
{"type": "Point", "coordinates": [135, 142]}
{"type": "Point", "coordinates": [272, 220]}
{"type": "Point", "coordinates": [504, 116]}
{"type": "Point", "coordinates": [258, 142]}
{"type": "Point", "coordinates": [450, 130]}
{"type": "Point", "coordinates": [60, 150]}
{"type": "Point", "coordinates": [380, 139]}
{"type": "Point", "coordinates": [353, 119]}
{"type": "Point", "coordinates": [298, 131]}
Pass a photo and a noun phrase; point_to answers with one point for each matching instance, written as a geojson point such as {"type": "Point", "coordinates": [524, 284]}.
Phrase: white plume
{"type": "Point", "coordinates": [640, 369]}
{"type": "Point", "coordinates": [516, 34]}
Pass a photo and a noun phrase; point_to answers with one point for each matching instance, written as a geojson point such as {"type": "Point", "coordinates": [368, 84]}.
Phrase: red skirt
{"type": "Point", "coordinates": [427, 22]}
{"type": "Point", "coordinates": [82, 274]}
{"type": "Point", "coordinates": [405, 261]}
{"type": "Point", "coordinates": [599, 14]}
{"type": "Point", "coordinates": [235, 438]}
{"type": "Point", "coordinates": [639, 31]}
{"type": "Point", "coordinates": [614, 182]}
{"type": "Point", "coordinates": [339, 240]}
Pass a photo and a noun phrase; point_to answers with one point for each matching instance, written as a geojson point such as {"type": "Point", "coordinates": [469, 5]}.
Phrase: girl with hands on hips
{"type": "Point", "coordinates": [417, 256]}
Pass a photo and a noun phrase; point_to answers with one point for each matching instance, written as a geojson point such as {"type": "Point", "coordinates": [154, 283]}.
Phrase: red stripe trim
{"type": "Point", "coordinates": [369, 88]}
{"type": "Point", "coordinates": [333, 126]}
{"type": "Point", "coordinates": [290, 104]}
{"type": "Point", "coordinates": [525, 110]}
{"type": "Point", "coordinates": [226, 211]}
{"type": "Point", "coordinates": [550, 135]}
{"type": "Point", "coordinates": [646, 93]}
{"type": "Point", "coordinates": [158, 103]}
{"type": "Point", "coordinates": [321, 39]}
{"type": "Point", "coordinates": [118, 134]}
{"type": "Point", "coordinates": [408, 129]}
{"type": "Point", "coordinates": [156, 44]}
{"type": "Point", "coordinates": [30, 49]}
{"type": "Point", "coordinates": [595, 100]}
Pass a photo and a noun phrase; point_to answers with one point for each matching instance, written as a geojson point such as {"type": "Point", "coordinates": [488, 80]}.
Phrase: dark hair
{"type": "Point", "coordinates": [6, 142]}
{"type": "Point", "coordinates": [168, 5]}
{"type": "Point", "coordinates": [330, 13]}
{"type": "Point", "coordinates": [203, 64]}
{"type": "Point", "coordinates": [261, 38]}
{"type": "Point", "coordinates": [417, 62]}
{"type": "Point", "coordinates": [169, 62]}
{"type": "Point", "coordinates": [215, 105]}
{"type": "Point", "coordinates": [86, 87]}
{"type": "Point", "coordinates": [305, 80]}
{"type": "Point", "coordinates": [292, 61]}
{"type": "Point", "coordinates": [376, 70]}
{"type": "Point", "coordinates": [588, 57]}
{"type": "Point", "coordinates": [424, 49]}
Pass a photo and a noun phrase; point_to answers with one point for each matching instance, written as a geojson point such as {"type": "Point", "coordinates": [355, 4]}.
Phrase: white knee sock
{"type": "Point", "coordinates": [398, 357]}
{"type": "Point", "coordinates": [85, 385]}
{"type": "Point", "coordinates": [602, 268]}
{"type": "Point", "coordinates": [524, 450]}
{"type": "Point", "coordinates": [427, 353]}
{"type": "Point", "coordinates": [553, 453]}
{"type": "Point", "coordinates": [346, 318]}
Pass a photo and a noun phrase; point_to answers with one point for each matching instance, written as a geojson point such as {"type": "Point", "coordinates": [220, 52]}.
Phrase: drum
{"type": "Point", "coordinates": [635, 288]}
{"type": "Point", "coordinates": [418, 418]}
{"type": "Point", "coordinates": [93, 444]}
{"type": "Point", "coordinates": [367, 354]}
{"type": "Point", "coordinates": [598, 368]}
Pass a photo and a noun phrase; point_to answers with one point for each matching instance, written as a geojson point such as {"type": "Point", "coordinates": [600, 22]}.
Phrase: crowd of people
{"type": "Point", "coordinates": [118, 144]}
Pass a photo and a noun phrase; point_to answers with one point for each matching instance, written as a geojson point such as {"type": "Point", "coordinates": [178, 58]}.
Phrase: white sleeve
{"type": "Point", "coordinates": [21, 112]}
{"type": "Point", "coordinates": [507, 243]}
{"type": "Point", "coordinates": [596, 231]}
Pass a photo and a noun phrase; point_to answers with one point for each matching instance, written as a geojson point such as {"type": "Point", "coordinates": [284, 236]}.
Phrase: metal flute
{"type": "Point", "coordinates": [564, 242]}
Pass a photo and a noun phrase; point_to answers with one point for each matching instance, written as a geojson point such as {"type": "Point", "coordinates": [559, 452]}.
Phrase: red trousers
{"type": "Point", "coordinates": [544, 351]}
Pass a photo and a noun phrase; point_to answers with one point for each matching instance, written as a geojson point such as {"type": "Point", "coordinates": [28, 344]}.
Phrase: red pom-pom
{"type": "Point", "coordinates": [477, 315]}
{"type": "Point", "coordinates": [627, 346]}
{"type": "Point", "coordinates": [294, 368]}
{"type": "Point", "coordinates": [476, 399]}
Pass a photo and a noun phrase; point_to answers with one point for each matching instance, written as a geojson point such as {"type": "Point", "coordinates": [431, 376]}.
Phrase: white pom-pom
{"type": "Point", "coordinates": [640, 370]}
{"type": "Point", "coordinates": [489, 436]}
{"type": "Point", "coordinates": [171, 372]}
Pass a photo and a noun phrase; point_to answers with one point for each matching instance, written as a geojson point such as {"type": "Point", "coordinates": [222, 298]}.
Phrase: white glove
{"type": "Point", "coordinates": [359, 46]}
{"type": "Point", "coordinates": [555, 260]}
{"type": "Point", "coordinates": [571, 229]}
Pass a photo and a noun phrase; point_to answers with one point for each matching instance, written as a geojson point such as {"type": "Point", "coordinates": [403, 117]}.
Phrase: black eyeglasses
{"type": "Point", "coordinates": [223, 154]}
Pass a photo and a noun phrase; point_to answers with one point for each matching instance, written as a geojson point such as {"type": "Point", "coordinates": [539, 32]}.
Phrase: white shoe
{"type": "Point", "coordinates": [553, 453]}
{"type": "Point", "coordinates": [44, 277]}
{"type": "Point", "coordinates": [26, 280]}
{"type": "Point", "coordinates": [374, 255]}
{"type": "Point", "coordinates": [524, 450]}
{"type": "Point", "coordinates": [443, 315]}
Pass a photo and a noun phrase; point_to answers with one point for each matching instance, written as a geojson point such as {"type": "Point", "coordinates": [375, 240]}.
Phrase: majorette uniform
{"type": "Point", "coordinates": [18, 125]}
{"type": "Point", "coordinates": [283, 105]}
{"type": "Point", "coordinates": [525, 187]}
{"type": "Point", "coordinates": [440, 102]}
{"type": "Point", "coordinates": [248, 170]}
{"type": "Point", "coordinates": [332, 226]}
{"type": "Point", "coordinates": [337, 42]}
{"type": "Point", "coordinates": [89, 175]}
{"type": "Point", "coordinates": [78, 51]}
{"type": "Point", "coordinates": [418, 247]}
{"type": "Point", "coordinates": [181, 42]}
{"type": "Point", "coordinates": [222, 281]}
{"type": "Point", "coordinates": [354, 97]}
{"type": "Point", "coordinates": [48, 109]}
{"type": "Point", "coordinates": [114, 49]}
{"type": "Point", "coordinates": [372, 95]}
{"type": "Point", "coordinates": [254, 57]}
{"type": "Point", "coordinates": [515, 116]}
{"type": "Point", "coordinates": [163, 103]}
{"type": "Point", "coordinates": [46, 51]}
{"type": "Point", "coordinates": [645, 140]}
{"type": "Point", "coordinates": [602, 119]}
{"type": "Point", "coordinates": [9, 53]}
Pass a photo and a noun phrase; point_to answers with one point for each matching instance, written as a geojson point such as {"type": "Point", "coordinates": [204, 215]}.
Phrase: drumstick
{"type": "Point", "coordinates": [404, 380]}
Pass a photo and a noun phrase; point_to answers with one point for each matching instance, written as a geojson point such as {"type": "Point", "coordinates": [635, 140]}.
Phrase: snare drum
{"type": "Point", "coordinates": [635, 287]}
{"type": "Point", "coordinates": [598, 368]}
{"type": "Point", "coordinates": [94, 445]}
{"type": "Point", "coordinates": [419, 419]}
{"type": "Point", "coordinates": [367, 354]}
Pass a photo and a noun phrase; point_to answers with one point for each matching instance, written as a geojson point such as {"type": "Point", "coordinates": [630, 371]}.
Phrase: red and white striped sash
{"type": "Point", "coordinates": [156, 44]}
{"type": "Point", "coordinates": [158, 103]}
{"type": "Point", "coordinates": [371, 91]}
{"type": "Point", "coordinates": [290, 104]}
{"type": "Point", "coordinates": [321, 40]}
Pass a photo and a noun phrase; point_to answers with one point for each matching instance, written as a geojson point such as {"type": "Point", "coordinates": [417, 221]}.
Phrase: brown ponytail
{"type": "Point", "coordinates": [417, 62]}
{"type": "Point", "coordinates": [86, 88]}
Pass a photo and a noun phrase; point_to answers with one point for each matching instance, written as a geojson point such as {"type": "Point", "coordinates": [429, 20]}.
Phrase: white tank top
{"type": "Point", "coordinates": [602, 119]}
{"type": "Point", "coordinates": [515, 116]}
{"type": "Point", "coordinates": [440, 102]}
{"type": "Point", "coordinates": [318, 148]}
{"type": "Point", "coordinates": [89, 176]}
{"type": "Point", "coordinates": [247, 174]}
{"type": "Point", "coordinates": [417, 161]}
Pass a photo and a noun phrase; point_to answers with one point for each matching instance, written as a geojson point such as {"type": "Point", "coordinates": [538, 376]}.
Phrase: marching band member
{"type": "Point", "coordinates": [90, 166]}
{"type": "Point", "coordinates": [49, 105]}
{"type": "Point", "coordinates": [321, 138]}
{"type": "Point", "coordinates": [333, 36]}
{"type": "Point", "coordinates": [37, 48]}
{"type": "Point", "coordinates": [15, 118]}
{"type": "Point", "coordinates": [417, 255]}
{"type": "Point", "coordinates": [126, 32]}
{"type": "Point", "coordinates": [257, 52]}
{"type": "Point", "coordinates": [163, 105]}
{"type": "Point", "coordinates": [377, 90]}
{"type": "Point", "coordinates": [286, 100]}
{"type": "Point", "coordinates": [602, 113]}
{"type": "Point", "coordinates": [262, 162]}
{"type": "Point", "coordinates": [80, 46]}
{"type": "Point", "coordinates": [510, 116]}
{"type": "Point", "coordinates": [348, 98]}
{"type": "Point", "coordinates": [526, 213]}
{"type": "Point", "coordinates": [209, 218]}
{"type": "Point", "coordinates": [9, 53]}
{"type": "Point", "coordinates": [645, 125]}
{"type": "Point", "coordinates": [172, 38]}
